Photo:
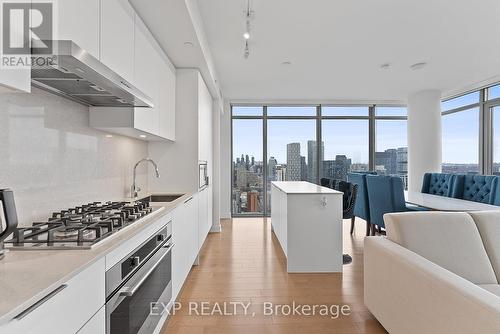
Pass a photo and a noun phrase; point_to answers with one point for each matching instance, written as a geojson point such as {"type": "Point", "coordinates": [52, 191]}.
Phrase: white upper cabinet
{"type": "Point", "coordinates": [146, 65]}
{"type": "Point", "coordinates": [12, 80]}
{"type": "Point", "coordinates": [204, 120]}
{"type": "Point", "coordinates": [78, 21]}
{"type": "Point", "coordinates": [167, 99]}
{"type": "Point", "coordinates": [154, 75]}
{"type": "Point", "coordinates": [117, 37]}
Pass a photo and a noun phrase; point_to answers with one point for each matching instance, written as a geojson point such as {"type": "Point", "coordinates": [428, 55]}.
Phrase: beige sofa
{"type": "Point", "coordinates": [435, 272]}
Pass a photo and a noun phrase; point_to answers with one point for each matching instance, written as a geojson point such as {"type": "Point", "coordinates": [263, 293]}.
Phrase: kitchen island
{"type": "Point", "coordinates": [307, 221]}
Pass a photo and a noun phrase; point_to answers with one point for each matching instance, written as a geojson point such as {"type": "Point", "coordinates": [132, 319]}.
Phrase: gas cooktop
{"type": "Point", "coordinates": [82, 227]}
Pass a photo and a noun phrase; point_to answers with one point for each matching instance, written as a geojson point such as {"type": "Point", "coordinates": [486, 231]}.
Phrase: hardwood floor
{"type": "Point", "coordinates": [245, 264]}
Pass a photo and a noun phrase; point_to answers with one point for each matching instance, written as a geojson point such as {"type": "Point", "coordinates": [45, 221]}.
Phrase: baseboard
{"type": "Point", "coordinates": [216, 229]}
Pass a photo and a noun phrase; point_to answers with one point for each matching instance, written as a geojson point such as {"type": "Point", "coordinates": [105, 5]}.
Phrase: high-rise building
{"type": "Point", "coordinates": [271, 168]}
{"type": "Point", "coordinates": [253, 201]}
{"type": "Point", "coordinates": [280, 173]}
{"type": "Point", "coordinates": [338, 168]}
{"type": "Point", "coordinates": [293, 164]}
{"type": "Point", "coordinates": [312, 154]}
{"type": "Point", "coordinates": [387, 160]}
{"type": "Point", "coordinates": [303, 169]}
{"type": "Point", "coordinates": [402, 160]}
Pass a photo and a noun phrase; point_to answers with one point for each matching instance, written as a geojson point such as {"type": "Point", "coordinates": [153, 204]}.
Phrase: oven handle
{"type": "Point", "coordinates": [130, 291]}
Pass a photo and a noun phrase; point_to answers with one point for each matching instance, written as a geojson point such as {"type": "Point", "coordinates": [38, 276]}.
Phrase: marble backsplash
{"type": "Point", "coordinates": [52, 159]}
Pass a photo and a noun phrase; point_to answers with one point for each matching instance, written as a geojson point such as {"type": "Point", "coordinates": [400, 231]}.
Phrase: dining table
{"type": "Point", "coordinates": [443, 203]}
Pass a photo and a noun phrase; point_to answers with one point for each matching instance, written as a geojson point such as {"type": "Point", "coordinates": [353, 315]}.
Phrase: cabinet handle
{"type": "Point", "coordinates": [190, 198]}
{"type": "Point", "coordinates": [40, 302]}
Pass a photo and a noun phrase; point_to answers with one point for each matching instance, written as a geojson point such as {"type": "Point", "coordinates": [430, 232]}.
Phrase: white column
{"type": "Point", "coordinates": [424, 136]}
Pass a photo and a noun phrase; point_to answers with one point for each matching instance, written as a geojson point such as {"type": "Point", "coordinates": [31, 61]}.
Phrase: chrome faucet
{"type": "Point", "coordinates": [135, 189]}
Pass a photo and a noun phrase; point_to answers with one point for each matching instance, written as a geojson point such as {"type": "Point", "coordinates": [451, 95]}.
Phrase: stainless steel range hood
{"type": "Point", "coordinates": [77, 75]}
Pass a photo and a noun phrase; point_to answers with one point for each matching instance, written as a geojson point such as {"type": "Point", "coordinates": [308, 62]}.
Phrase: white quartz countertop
{"type": "Point", "coordinates": [302, 187]}
{"type": "Point", "coordinates": [27, 276]}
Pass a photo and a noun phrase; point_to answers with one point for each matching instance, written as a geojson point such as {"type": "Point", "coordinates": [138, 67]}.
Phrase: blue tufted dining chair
{"type": "Point", "coordinates": [440, 184]}
{"type": "Point", "coordinates": [386, 195]}
{"type": "Point", "coordinates": [480, 188]}
{"type": "Point", "coordinates": [361, 207]}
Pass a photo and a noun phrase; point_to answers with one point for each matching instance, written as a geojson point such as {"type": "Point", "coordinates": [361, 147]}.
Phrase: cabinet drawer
{"type": "Point", "coordinates": [67, 308]}
{"type": "Point", "coordinates": [96, 325]}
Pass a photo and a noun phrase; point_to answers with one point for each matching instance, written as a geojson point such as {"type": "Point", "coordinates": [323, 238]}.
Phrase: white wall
{"type": "Point", "coordinates": [225, 161]}
{"type": "Point", "coordinates": [424, 136]}
{"type": "Point", "coordinates": [52, 159]}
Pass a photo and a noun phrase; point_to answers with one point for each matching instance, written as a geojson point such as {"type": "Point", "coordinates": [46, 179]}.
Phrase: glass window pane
{"type": "Point", "coordinates": [247, 110]}
{"type": "Point", "coordinates": [292, 111]}
{"type": "Point", "coordinates": [344, 111]}
{"type": "Point", "coordinates": [494, 92]}
{"type": "Point", "coordinates": [247, 196]}
{"type": "Point", "coordinates": [391, 156]}
{"type": "Point", "coordinates": [461, 142]}
{"type": "Point", "coordinates": [291, 148]}
{"type": "Point", "coordinates": [391, 111]}
{"type": "Point", "coordinates": [460, 101]}
{"type": "Point", "coordinates": [346, 147]}
{"type": "Point", "coordinates": [496, 140]}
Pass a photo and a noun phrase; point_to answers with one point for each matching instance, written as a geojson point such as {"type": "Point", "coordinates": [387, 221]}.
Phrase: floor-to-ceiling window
{"type": "Point", "coordinates": [292, 143]}
{"type": "Point", "coordinates": [247, 162]}
{"type": "Point", "coordinates": [492, 107]}
{"type": "Point", "coordinates": [391, 155]}
{"type": "Point", "coordinates": [471, 132]}
{"type": "Point", "coordinates": [460, 133]}
{"type": "Point", "coordinates": [345, 140]}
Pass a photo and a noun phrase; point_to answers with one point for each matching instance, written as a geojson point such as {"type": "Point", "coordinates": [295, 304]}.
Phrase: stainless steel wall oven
{"type": "Point", "coordinates": [143, 277]}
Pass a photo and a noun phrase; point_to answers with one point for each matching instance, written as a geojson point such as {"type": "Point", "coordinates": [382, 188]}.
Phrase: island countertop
{"type": "Point", "coordinates": [303, 187]}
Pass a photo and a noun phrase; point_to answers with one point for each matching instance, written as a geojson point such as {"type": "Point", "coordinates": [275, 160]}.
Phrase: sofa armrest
{"type": "Point", "coordinates": [410, 295]}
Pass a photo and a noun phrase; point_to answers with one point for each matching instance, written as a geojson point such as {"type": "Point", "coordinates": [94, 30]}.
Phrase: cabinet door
{"type": "Point", "coordinates": [146, 78]}
{"type": "Point", "coordinates": [117, 37]}
{"type": "Point", "coordinates": [96, 325]}
{"type": "Point", "coordinates": [76, 301]}
{"type": "Point", "coordinates": [204, 120]}
{"type": "Point", "coordinates": [15, 80]}
{"type": "Point", "coordinates": [203, 218]}
{"type": "Point", "coordinates": [167, 99]}
{"type": "Point", "coordinates": [78, 20]}
{"type": "Point", "coordinates": [185, 239]}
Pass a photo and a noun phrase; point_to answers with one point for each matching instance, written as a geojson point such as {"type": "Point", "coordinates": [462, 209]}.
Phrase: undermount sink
{"type": "Point", "coordinates": [161, 198]}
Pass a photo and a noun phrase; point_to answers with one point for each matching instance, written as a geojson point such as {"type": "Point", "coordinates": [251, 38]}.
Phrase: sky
{"type": "Point", "coordinates": [350, 137]}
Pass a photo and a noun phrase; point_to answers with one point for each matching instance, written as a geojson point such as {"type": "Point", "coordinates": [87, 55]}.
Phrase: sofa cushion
{"type": "Point", "coordinates": [493, 288]}
{"type": "Point", "coordinates": [488, 224]}
{"type": "Point", "coordinates": [449, 239]}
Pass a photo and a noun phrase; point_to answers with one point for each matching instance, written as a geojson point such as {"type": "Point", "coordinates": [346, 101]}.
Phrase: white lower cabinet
{"type": "Point", "coordinates": [96, 325]}
{"type": "Point", "coordinates": [185, 239]}
{"type": "Point", "coordinates": [204, 216]}
{"type": "Point", "coordinates": [67, 308]}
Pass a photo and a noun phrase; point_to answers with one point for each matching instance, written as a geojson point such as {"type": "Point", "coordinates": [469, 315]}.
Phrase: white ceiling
{"type": "Point", "coordinates": [177, 27]}
{"type": "Point", "coordinates": [336, 47]}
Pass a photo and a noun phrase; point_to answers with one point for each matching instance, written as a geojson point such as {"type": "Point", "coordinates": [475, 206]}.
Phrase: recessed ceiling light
{"type": "Point", "coordinates": [188, 44]}
{"type": "Point", "coordinates": [246, 35]}
{"type": "Point", "coordinates": [418, 66]}
{"type": "Point", "coordinates": [109, 136]}
{"type": "Point", "coordinates": [286, 62]}
{"type": "Point", "coordinates": [385, 66]}
{"type": "Point", "coordinates": [142, 136]}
